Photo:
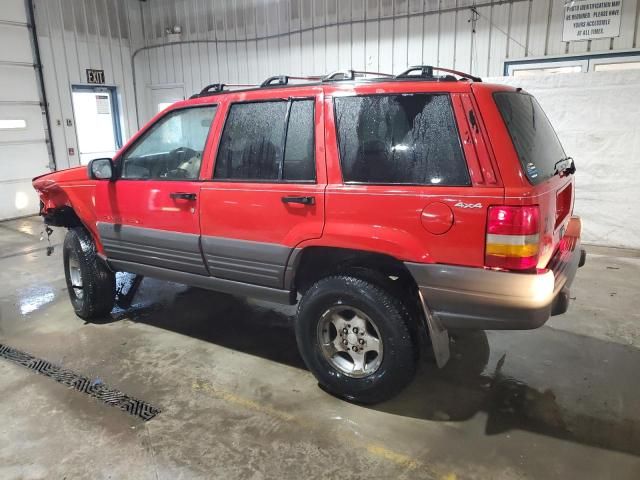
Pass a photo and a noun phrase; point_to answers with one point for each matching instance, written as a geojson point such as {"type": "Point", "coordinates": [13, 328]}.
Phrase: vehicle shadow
{"type": "Point", "coordinates": [475, 379]}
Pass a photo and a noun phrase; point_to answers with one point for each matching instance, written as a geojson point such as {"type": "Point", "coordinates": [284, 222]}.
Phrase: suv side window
{"type": "Point", "coordinates": [268, 141]}
{"type": "Point", "coordinates": [172, 148]}
{"type": "Point", "coordinates": [400, 139]}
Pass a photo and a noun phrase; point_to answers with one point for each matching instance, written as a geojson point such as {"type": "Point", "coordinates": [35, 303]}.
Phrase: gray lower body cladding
{"type": "Point", "coordinates": [245, 261]}
{"type": "Point", "coordinates": [229, 265]}
{"type": "Point", "coordinates": [477, 298]}
{"type": "Point", "coordinates": [276, 295]}
{"type": "Point", "coordinates": [171, 250]}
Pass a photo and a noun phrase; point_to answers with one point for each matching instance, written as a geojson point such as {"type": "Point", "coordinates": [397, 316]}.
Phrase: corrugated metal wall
{"type": "Point", "coordinates": [249, 40]}
{"type": "Point", "coordinates": [78, 34]}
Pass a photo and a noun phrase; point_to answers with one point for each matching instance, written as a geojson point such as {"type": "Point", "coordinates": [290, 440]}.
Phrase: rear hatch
{"type": "Point", "coordinates": [547, 172]}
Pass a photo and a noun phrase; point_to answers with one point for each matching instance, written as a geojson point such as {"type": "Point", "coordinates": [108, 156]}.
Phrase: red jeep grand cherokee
{"type": "Point", "coordinates": [390, 208]}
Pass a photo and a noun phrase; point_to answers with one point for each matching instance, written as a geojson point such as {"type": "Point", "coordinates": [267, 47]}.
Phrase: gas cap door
{"type": "Point", "coordinates": [437, 218]}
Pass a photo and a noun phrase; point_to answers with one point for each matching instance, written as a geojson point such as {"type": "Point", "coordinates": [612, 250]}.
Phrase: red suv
{"type": "Point", "coordinates": [390, 208]}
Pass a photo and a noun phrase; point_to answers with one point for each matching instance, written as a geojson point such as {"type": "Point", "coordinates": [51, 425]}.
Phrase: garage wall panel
{"type": "Point", "coordinates": [627, 24]}
{"type": "Point", "coordinates": [18, 38]}
{"type": "Point", "coordinates": [415, 40]}
{"type": "Point", "coordinates": [33, 130]}
{"type": "Point", "coordinates": [23, 139]}
{"type": "Point", "coordinates": [75, 35]}
{"type": "Point", "coordinates": [14, 11]}
{"type": "Point", "coordinates": [430, 39]}
{"type": "Point", "coordinates": [18, 84]}
{"type": "Point", "coordinates": [320, 36]}
{"type": "Point", "coordinates": [25, 159]}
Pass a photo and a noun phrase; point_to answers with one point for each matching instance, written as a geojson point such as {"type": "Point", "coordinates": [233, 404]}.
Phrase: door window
{"type": "Point", "coordinates": [268, 141]}
{"type": "Point", "coordinates": [172, 148]}
{"type": "Point", "coordinates": [399, 139]}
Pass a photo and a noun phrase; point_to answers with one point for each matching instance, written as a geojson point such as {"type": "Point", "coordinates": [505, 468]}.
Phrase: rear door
{"type": "Point", "coordinates": [266, 195]}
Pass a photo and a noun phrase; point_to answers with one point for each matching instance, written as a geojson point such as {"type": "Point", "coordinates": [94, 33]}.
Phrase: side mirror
{"type": "Point", "coordinates": [101, 169]}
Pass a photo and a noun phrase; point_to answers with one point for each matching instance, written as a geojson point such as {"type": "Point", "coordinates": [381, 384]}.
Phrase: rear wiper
{"type": "Point", "coordinates": [566, 166]}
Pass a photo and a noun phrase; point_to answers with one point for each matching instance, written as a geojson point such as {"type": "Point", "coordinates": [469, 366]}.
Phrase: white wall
{"type": "Point", "coordinates": [597, 117]}
{"type": "Point", "coordinates": [249, 40]}
{"type": "Point", "coordinates": [74, 35]}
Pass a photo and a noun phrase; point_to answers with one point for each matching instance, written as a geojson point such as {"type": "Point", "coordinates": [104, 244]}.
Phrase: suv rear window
{"type": "Point", "coordinates": [533, 136]}
{"type": "Point", "coordinates": [399, 139]}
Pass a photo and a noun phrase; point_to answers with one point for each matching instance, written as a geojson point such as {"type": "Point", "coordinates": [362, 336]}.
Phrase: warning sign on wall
{"type": "Point", "coordinates": [102, 104]}
{"type": "Point", "coordinates": [589, 19]}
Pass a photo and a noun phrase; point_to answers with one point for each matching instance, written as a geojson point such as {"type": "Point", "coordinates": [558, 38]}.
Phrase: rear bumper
{"type": "Point", "coordinates": [477, 298]}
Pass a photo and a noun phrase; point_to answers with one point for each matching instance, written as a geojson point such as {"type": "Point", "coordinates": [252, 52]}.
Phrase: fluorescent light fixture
{"type": "Point", "coordinates": [12, 124]}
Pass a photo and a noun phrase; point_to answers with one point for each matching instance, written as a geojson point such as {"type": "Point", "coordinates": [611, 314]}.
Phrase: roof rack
{"type": "Point", "coordinates": [215, 88]}
{"type": "Point", "coordinates": [280, 80]}
{"type": "Point", "coordinates": [350, 75]}
{"type": "Point", "coordinates": [426, 71]}
{"type": "Point", "coordinates": [420, 72]}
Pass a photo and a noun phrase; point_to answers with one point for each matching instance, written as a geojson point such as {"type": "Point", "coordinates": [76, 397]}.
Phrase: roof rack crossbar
{"type": "Point", "coordinates": [214, 88]}
{"type": "Point", "coordinates": [284, 80]}
{"type": "Point", "coordinates": [348, 75]}
{"type": "Point", "coordinates": [426, 71]}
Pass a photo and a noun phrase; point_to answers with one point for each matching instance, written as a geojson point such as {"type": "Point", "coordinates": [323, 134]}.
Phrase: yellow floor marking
{"type": "Point", "coordinates": [397, 458]}
{"type": "Point", "coordinates": [244, 402]}
{"type": "Point", "coordinates": [377, 450]}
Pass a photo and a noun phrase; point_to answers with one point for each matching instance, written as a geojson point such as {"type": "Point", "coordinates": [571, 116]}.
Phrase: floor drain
{"type": "Point", "coordinates": [93, 388]}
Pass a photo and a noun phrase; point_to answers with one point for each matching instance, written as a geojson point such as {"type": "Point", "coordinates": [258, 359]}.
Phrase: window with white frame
{"type": "Point", "coordinates": [582, 64]}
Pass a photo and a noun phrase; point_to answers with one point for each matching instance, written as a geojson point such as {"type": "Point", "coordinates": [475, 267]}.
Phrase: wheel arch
{"type": "Point", "coordinates": [69, 206]}
{"type": "Point", "coordinates": [309, 264]}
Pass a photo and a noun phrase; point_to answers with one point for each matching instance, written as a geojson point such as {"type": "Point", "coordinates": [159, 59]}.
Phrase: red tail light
{"type": "Point", "coordinates": [513, 238]}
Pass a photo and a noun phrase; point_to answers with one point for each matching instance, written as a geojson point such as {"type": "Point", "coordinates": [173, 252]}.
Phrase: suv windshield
{"type": "Point", "coordinates": [533, 136]}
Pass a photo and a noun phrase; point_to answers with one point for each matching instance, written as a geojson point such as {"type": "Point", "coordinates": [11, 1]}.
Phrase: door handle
{"type": "Point", "coordinates": [302, 200]}
{"type": "Point", "coordinates": [182, 196]}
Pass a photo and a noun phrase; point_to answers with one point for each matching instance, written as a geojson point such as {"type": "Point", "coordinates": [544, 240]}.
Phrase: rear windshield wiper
{"type": "Point", "coordinates": [566, 166]}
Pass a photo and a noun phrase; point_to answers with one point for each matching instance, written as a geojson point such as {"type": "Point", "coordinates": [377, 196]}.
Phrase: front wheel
{"type": "Point", "coordinates": [91, 285]}
{"type": "Point", "coordinates": [355, 338]}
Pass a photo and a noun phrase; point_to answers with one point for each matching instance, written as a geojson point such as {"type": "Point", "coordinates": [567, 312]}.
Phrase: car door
{"type": "Point", "coordinates": [149, 214]}
{"type": "Point", "coordinates": [267, 192]}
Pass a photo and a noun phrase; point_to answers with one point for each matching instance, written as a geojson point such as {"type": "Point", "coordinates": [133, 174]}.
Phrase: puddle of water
{"type": "Point", "coordinates": [32, 299]}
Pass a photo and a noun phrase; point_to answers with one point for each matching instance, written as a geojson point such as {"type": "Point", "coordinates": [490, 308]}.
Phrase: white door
{"type": "Point", "coordinates": [93, 109]}
{"type": "Point", "coordinates": [23, 148]}
{"type": "Point", "coordinates": [163, 96]}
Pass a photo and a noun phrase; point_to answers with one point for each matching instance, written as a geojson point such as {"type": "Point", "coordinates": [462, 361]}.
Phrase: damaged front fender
{"type": "Point", "coordinates": [67, 199]}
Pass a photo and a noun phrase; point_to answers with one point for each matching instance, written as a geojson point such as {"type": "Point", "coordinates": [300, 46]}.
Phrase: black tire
{"type": "Point", "coordinates": [96, 297]}
{"type": "Point", "coordinates": [392, 321]}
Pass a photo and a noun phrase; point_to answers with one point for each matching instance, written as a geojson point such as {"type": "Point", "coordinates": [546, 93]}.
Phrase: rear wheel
{"type": "Point", "coordinates": [354, 336]}
{"type": "Point", "coordinates": [91, 285]}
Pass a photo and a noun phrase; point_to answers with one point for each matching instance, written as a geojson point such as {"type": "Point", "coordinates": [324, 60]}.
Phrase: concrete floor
{"type": "Point", "coordinates": [562, 401]}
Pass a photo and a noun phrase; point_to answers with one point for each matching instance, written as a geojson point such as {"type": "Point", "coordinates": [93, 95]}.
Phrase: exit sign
{"type": "Point", "coordinates": [95, 76]}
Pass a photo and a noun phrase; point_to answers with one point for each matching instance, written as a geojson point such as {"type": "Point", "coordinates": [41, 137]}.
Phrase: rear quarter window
{"type": "Point", "coordinates": [533, 136]}
{"type": "Point", "coordinates": [399, 139]}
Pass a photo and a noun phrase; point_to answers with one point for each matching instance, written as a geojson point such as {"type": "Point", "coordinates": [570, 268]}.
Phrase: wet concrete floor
{"type": "Point", "coordinates": [562, 401]}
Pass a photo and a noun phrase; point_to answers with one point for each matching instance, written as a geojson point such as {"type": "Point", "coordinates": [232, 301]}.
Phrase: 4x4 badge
{"type": "Point", "coordinates": [468, 205]}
